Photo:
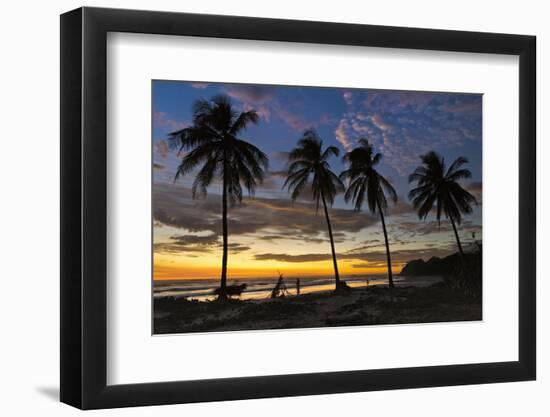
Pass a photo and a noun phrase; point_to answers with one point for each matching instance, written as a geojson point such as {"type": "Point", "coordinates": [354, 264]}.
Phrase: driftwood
{"type": "Point", "coordinates": [231, 290]}
{"type": "Point", "coordinates": [280, 289]}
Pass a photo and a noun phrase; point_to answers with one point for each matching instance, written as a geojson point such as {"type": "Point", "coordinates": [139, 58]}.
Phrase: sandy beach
{"type": "Point", "coordinates": [374, 305]}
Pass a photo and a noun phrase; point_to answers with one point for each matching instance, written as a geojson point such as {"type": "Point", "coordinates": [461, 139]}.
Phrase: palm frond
{"type": "Point", "coordinates": [309, 166]}
{"type": "Point", "coordinates": [213, 145]}
{"type": "Point", "coordinates": [365, 179]}
{"type": "Point", "coordinates": [243, 120]}
{"type": "Point", "coordinates": [330, 151]}
{"type": "Point", "coordinates": [458, 162]}
{"type": "Point", "coordinates": [459, 175]}
{"type": "Point", "coordinates": [438, 187]}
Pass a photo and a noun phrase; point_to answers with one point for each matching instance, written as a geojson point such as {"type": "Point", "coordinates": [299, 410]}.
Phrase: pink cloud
{"type": "Point", "coordinates": [293, 120]}
{"type": "Point", "coordinates": [161, 119]}
{"type": "Point", "coordinates": [161, 148]}
{"type": "Point", "coordinates": [348, 97]}
{"type": "Point", "coordinates": [380, 124]}
{"type": "Point", "coordinates": [341, 134]}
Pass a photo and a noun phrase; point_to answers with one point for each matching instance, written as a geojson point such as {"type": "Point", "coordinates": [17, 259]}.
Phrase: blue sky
{"type": "Point", "coordinates": [401, 125]}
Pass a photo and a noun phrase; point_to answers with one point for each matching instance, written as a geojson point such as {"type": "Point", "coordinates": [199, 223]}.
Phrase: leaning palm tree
{"type": "Point", "coordinates": [309, 165]}
{"type": "Point", "coordinates": [216, 152]}
{"type": "Point", "coordinates": [366, 182]}
{"type": "Point", "coordinates": [436, 185]}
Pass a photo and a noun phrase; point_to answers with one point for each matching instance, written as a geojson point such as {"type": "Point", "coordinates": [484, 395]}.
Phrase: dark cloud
{"type": "Point", "coordinates": [184, 244]}
{"type": "Point", "coordinates": [174, 206]}
{"type": "Point", "coordinates": [250, 93]}
{"type": "Point", "coordinates": [378, 256]}
{"type": "Point", "coordinates": [186, 240]}
{"type": "Point", "coordinates": [283, 257]}
{"type": "Point", "coordinates": [175, 248]}
{"type": "Point", "coordinates": [424, 228]}
{"type": "Point", "coordinates": [338, 237]}
{"type": "Point", "coordinates": [263, 100]}
{"type": "Point", "coordinates": [368, 265]}
{"type": "Point", "coordinates": [236, 247]}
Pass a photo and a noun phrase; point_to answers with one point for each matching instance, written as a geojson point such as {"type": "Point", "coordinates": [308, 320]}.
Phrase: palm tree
{"type": "Point", "coordinates": [217, 152]}
{"type": "Point", "coordinates": [309, 165]}
{"type": "Point", "coordinates": [366, 181]}
{"type": "Point", "coordinates": [437, 186]}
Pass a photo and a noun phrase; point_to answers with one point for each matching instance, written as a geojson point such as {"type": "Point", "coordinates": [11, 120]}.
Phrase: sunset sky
{"type": "Point", "coordinates": [269, 233]}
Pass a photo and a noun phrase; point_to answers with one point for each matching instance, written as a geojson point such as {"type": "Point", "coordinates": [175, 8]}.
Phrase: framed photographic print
{"type": "Point", "coordinates": [256, 208]}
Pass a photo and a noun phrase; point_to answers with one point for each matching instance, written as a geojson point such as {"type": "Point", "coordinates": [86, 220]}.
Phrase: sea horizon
{"type": "Point", "coordinates": [260, 288]}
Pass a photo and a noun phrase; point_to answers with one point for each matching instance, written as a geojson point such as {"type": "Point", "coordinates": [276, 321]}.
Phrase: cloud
{"type": "Point", "coordinates": [199, 86]}
{"type": "Point", "coordinates": [476, 189]}
{"type": "Point", "coordinates": [274, 180]}
{"type": "Point", "coordinates": [282, 257]}
{"type": "Point", "coordinates": [327, 120]}
{"type": "Point", "coordinates": [348, 97]}
{"type": "Point", "coordinates": [162, 121]}
{"type": "Point", "coordinates": [323, 238]}
{"type": "Point", "coordinates": [380, 124]}
{"type": "Point", "coordinates": [414, 229]}
{"type": "Point", "coordinates": [263, 100]}
{"type": "Point", "coordinates": [161, 148]}
{"type": "Point", "coordinates": [250, 93]}
{"type": "Point", "coordinates": [183, 244]}
{"type": "Point", "coordinates": [272, 219]}
{"type": "Point", "coordinates": [252, 97]}
{"type": "Point", "coordinates": [370, 258]}
{"type": "Point", "coordinates": [402, 125]}
{"type": "Point", "coordinates": [295, 121]}
{"type": "Point", "coordinates": [186, 240]}
{"type": "Point", "coordinates": [173, 206]}
{"type": "Point", "coordinates": [341, 134]}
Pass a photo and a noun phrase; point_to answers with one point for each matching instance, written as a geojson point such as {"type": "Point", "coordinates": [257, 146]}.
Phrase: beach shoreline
{"type": "Point", "coordinates": [372, 305]}
{"type": "Point", "coordinates": [261, 288]}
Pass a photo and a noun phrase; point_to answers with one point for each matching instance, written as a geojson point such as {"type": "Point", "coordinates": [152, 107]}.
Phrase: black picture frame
{"type": "Point", "coordinates": [84, 207]}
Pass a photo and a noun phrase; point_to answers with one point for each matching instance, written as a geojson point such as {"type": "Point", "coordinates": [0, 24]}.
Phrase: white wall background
{"type": "Point", "coordinates": [29, 176]}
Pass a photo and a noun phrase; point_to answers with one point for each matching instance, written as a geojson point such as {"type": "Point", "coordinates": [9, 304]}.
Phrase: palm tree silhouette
{"type": "Point", "coordinates": [440, 187]}
{"type": "Point", "coordinates": [213, 145]}
{"type": "Point", "coordinates": [366, 181]}
{"type": "Point", "coordinates": [309, 161]}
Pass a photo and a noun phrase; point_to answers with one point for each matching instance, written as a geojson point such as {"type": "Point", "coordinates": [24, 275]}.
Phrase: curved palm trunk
{"type": "Point", "coordinates": [388, 257]}
{"type": "Point", "coordinates": [457, 238]}
{"type": "Point", "coordinates": [223, 281]}
{"type": "Point", "coordinates": [336, 274]}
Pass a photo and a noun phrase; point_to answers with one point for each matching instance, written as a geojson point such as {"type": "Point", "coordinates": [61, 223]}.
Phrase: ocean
{"type": "Point", "coordinates": [260, 288]}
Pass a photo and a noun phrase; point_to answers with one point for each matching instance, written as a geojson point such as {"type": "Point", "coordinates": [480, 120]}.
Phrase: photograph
{"type": "Point", "coordinates": [286, 207]}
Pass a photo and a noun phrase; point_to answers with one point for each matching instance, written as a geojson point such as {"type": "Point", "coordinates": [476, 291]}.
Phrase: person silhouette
{"type": "Point", "coordinates": [297, 286]}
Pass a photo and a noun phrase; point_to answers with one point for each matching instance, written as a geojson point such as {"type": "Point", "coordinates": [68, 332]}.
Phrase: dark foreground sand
{"type": "Point", "coordinates": [367, 306]}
